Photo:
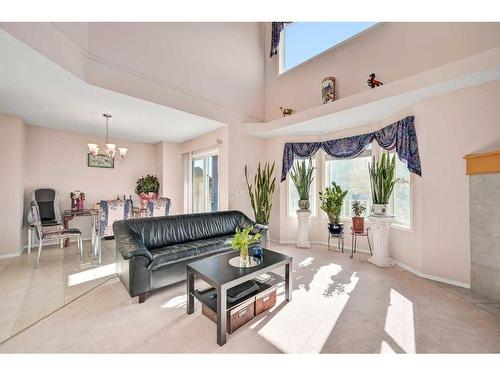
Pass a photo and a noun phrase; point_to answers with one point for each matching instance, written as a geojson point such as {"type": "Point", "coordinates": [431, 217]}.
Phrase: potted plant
{"type": "Point", "coordinates": [358, 221]}
{"type": "Point", "coordinates": [382, 182]}
{"type": "Point", "coordinates": [240, 242]}
{"type": "Point", "coordinates": [261, 193]}
{"type": "Point", "coordinates": [331, 202]}
{"type": "Point", "coordinates": [302, 178]}
{"type": "Point", "coordinates": [147, 188]}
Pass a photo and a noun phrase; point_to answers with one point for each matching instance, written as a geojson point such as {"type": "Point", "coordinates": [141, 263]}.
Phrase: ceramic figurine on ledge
{"type": "Point", "coordinates": [372, 82]}
{"type": "Point", "coordinates": [328, 90]}
{"type": "Point", "coordinates": [286, 111]}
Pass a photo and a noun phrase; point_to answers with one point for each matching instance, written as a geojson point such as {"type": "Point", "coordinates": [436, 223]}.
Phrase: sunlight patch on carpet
{"type": "Point", "coordinates": [306, 262]}
{"type": "Point", "coordinates": [176, 302]}
{"type": "Point", "coordinates": [385, 348]}
{"type": "Point", "coordinates": [399, 323]}
{"type": "Point", "coordinates": [304, 324]}
{"type": "Point", "coordinates": [92, 274]}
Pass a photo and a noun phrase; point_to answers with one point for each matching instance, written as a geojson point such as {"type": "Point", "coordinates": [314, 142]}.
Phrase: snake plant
{"type": "Point", "coordinates": [382, 178]}
{"type": "Point", "coordinates": [302, 177]}
{"type": "Point", "coordinates": [261, 192]}
{"type": "Point", "coordinates": [331, 201]}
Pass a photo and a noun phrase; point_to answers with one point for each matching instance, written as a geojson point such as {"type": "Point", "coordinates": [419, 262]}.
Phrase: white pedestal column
{"type": "Point", "coordinates": [303, 232]}
{"type": "Point", "coordinates": [380, 233]}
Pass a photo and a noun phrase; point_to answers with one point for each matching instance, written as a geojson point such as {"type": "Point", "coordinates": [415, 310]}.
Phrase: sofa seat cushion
{"type": "Point", "coordinates": [189, 250]}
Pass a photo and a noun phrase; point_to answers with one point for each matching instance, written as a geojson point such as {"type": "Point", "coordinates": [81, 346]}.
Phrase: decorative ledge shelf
{"type": "Point", "coordinates": [486, 162]}
{"type": "Point", "coordinates": [377, 104]}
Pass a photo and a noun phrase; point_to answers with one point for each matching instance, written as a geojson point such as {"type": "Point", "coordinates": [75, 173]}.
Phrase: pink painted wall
{"type": "Point", "coordinates": [12, 170]}
{"type": "Point", "coordinates": [58, 159]}
{"type": "Point", "coordinates": [225, 62]}
{"type": "Point", "coordinates": [452, 126]}
{"type": "Point", "coordinates": [169, 171]}
{"type": "Point", "coordinates": [391, 50]}
{"type": "Point", "coordinates": [244, 149]}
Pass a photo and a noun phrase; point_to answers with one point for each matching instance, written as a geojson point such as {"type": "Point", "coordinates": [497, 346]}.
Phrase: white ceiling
{"type": "Point", "coordinates": [46, 95]}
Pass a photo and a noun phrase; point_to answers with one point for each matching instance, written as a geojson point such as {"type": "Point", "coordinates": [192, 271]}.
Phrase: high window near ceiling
{"type": "Point", "coordinates": [302, 41]}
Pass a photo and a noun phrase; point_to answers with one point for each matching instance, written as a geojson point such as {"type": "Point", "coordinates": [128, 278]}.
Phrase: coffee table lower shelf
{"type": "Point", "coordinates": [245, 309]}
{"type": "Point", "coordinates": [219, 274]}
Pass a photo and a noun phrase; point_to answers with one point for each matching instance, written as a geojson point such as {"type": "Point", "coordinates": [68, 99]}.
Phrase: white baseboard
{"type": "Point", "coordinates": [35, 247]}
{"type": "Point", "coordinates": [11, 255]}
{"type": "Point", "coordinates": [431, 277]}
{"type": "Point", "coordinates": [333, 245]}
{"type": "Point", "coordinates": [399, 263]}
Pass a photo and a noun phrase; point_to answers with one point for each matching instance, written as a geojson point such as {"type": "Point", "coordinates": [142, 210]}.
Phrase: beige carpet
{"type": "Point", "coordinates": [339, 306]}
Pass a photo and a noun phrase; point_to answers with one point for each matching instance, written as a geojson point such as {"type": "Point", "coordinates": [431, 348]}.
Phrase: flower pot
{"type": "Point", "coordinates": [144, 200]}
{"type": "Point", "coordinates": [146, 197]}
{"type": "Point", "coordinates": [335, 228]}
{"type": "Point", "coordinates": [304, 204]}
{"type": "Point", "coordinates": [358, 224]}
{"type": "Point", "coordinates": [379, 209]}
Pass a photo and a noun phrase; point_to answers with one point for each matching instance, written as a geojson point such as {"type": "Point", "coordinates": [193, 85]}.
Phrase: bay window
{"type": "Point", "coordinates": [400, 205]}
{"type": "Point", "coordinates": [351, 174]}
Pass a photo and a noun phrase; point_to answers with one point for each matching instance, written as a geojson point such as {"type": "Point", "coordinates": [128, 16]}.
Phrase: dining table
{"type": "Point", "coordinates": [69, 215]}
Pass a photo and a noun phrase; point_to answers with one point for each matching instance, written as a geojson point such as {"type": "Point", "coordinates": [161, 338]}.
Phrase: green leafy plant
{"type": "Point", "coordinates": [243, 238]}
{"type": "Point", "coordinates": [331, 201]}
{"type": "Point", "coordinates": [382, 178]}
{"type": "Point", "coordinates": [261, 192]}
{"type": "Point", "coordinates": [147, 184]}
{"type": "Point", "coordinates": [302, 178]}
{"type": "Point", "coordinates": [358, 208]}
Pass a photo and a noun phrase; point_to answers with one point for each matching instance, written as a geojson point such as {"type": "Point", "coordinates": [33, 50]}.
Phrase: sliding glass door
{"type": "Point", "coordinates": [205, 182]}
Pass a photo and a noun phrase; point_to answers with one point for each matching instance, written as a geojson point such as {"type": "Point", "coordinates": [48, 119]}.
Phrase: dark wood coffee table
{"type": "Point", "coordinates": [217, 272]}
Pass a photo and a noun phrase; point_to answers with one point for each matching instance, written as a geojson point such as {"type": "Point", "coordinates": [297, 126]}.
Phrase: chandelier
{"type": "Point", "coordinates": [110, 149]}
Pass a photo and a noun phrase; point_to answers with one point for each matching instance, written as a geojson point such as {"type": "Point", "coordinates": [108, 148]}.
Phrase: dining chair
{"type": "Point", "coordinates": [50, 216]}
{"type": "Point", "coordinates": [158, 207]}
{"type": "Point", "coordinates": [109, 212]}
{"type": "Point", "coordinates": [46, 235]}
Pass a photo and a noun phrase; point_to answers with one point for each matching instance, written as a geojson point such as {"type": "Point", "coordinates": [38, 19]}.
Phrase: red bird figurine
{"type": "Point", "coordinates": [372, 82]}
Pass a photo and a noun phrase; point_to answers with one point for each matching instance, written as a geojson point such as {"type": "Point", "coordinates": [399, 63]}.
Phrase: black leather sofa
{"type": "Point", "coordinates": [153, 252]}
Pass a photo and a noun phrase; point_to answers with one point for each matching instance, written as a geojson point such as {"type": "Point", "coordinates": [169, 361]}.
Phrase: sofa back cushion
{"type": "Point", "coordinates": [156, 232]}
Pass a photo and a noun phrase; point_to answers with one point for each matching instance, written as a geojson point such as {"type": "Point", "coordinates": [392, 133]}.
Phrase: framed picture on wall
{"type": "Point", "coordinates": [100, 161]}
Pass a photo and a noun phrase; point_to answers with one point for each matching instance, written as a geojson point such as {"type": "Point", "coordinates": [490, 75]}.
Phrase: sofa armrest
{"type": "Point", "coordinates": [260, 228]}
{"type": "Point", "coordinates": [128, 242]}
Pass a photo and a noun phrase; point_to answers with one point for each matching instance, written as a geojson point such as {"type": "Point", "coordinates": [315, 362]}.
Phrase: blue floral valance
{"type": "Point", "coordinates": [400, 135]}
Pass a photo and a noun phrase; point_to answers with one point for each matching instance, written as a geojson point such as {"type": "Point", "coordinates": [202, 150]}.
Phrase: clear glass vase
{"type": "Point", "coordinates": [244, 258]}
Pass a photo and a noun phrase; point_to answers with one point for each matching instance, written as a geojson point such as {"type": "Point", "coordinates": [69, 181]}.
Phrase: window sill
{"type": "Point", "coordinates": [402, 227]}
{"type": "Point", "coordinates": [396, 225]}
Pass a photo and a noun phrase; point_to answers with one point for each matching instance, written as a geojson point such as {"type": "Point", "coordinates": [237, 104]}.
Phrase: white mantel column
{"type": "Point", "coordinates": [380, 226]}
{"type": "Point", "coordinates": [303, 232]}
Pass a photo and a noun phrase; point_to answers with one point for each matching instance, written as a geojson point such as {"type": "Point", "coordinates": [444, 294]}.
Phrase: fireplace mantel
{"type": "Point", "coordinates": [486, 162]}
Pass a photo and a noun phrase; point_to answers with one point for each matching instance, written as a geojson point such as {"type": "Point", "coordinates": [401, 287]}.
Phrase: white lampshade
{"type": "Point", "coordinates": [111, 149]}
{"type": "Point", "coordinates": [123, 151]}
{"type": "Point", "coordinates": [93, 148]}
